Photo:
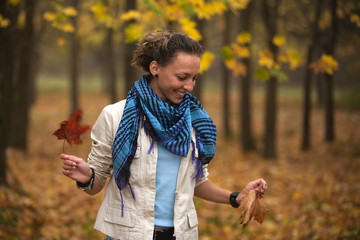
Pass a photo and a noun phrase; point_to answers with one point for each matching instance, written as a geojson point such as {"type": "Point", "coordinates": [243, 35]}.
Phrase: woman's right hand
{"type": "Point", "coordinates": [76, 168]}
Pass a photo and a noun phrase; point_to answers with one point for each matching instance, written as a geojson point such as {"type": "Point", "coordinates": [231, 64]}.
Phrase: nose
{"type": "Point", "coordinates": [189, 85]}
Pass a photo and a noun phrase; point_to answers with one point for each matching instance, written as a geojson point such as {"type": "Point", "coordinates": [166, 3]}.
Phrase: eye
{"type": "Point", "coordinates": [181, 78]}
{"type": "Point", "coordinates": [195, 78]}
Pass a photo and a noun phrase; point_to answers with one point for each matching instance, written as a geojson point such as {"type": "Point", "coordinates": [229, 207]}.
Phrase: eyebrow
{"type": "Point", "coordinates": [188, 74]}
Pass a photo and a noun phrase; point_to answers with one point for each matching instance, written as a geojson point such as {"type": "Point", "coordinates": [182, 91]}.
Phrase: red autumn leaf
{"type": "Point", "coordinates": [70, 130]}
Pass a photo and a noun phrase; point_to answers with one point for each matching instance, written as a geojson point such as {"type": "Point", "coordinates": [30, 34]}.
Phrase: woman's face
{"type": "Point", "coordinates": [176, 78]}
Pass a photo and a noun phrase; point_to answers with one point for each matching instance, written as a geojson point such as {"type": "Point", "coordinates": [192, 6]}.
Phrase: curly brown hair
{"type": "Point", "coordinates": [163, 46]}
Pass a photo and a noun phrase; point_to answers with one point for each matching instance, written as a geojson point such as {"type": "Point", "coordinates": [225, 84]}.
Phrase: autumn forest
{"type": "Point", "coordinates": [280, 79]}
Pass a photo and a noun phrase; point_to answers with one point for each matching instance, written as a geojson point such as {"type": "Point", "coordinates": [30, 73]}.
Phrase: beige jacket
{"type": "Point", "coordinates": [138, 220]}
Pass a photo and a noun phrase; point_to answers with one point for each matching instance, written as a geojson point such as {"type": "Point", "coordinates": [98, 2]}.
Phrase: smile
{"type": "Point", "coordinates": [180, 93]}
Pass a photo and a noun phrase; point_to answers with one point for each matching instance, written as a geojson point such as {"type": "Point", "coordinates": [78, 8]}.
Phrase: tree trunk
{"type": "Point", "coordinates": [109, 65]}
{"type": "Point", "coordinates": [3, 167]}
{"type": "Point", "coordinates": [23, 84]}
{"type": "Point", "coordinates": [74, 67]}
{"type": "Point", "coordinates": [329, 102]}
{"type": "Point", "coordinates": [131, 74]}
{"type": "Point", "coordinates": [226, 79]}
{"type": "Point", "coordinates": [3, 100]}
{"type": "Point", "coordinates": [245, 88]}
{"type": "Point", "coordinates": [307, 81]}
{"type": "Point", "coordinates": [197, 92]}
{"type": "Point", "coordinates": [270, 14]}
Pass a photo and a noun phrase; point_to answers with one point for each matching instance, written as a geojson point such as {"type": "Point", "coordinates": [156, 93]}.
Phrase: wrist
{"type": "Point", "coordinates": [233, 199]}
{"type": "Point", "coordinates": [89, 184]}
{"type": "Point", "coordinates": [240, 197]}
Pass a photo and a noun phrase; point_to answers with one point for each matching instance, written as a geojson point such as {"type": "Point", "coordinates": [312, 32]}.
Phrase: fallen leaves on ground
{"type": "Point", "coordinates": [311, 195]}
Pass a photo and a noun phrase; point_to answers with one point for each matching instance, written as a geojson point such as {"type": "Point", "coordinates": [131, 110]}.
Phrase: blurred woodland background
{"type": "Point", "coordinates": [279, 78]}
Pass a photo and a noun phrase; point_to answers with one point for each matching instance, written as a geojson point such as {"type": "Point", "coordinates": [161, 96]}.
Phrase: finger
{"type": "Point", "coordinates": [77, 160]}
{"type": "Point", "coordinates": [68, 167]}
{"type": "Point", "coordinates": [66, 172]}
{"type": "Point", "coordinates": [69, 163]}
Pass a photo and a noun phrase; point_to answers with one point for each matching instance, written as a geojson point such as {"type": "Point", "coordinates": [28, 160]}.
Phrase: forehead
{"type": "Point", "coordinates": [186, 62]}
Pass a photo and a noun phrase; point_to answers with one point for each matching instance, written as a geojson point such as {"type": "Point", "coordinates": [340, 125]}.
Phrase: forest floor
{"type": "Point", "coordinates": [311, 195]}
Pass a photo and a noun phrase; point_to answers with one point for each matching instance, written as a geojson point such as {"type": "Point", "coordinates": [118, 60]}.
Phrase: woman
{"type": "Point", "coordinates": [158, 142]}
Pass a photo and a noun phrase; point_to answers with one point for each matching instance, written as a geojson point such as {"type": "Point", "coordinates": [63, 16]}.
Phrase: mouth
{"type": "Point", "coordinates": [180, 93]}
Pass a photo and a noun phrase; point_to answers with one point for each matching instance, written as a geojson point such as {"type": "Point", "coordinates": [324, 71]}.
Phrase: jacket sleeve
{"type": "Point", "coordinates": [102, 135]}
{"type": "Point", "coordinates": [204, 177]}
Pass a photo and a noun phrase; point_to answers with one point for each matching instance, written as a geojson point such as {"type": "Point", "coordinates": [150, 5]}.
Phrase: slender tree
{"type": "Point", "coordinates": [226, 75]}
{"type": "Point", "coordinates": [270, 16]}
{"type": "Point", "coordinates": [201, 23]}
{"type": "Point", "coordinates": [130, 72]}
{"type": "Point", "coordinates": [308, 76]}
{"type": "Point", "coordinates": [245, 87]}
{"type": "Point", "coordinates": [74, 63]}
{"type": "Point", "coordinates": [3, 103]}
{"type": "Point", "coordinates": [329, 78]}
{"type": "Point", "coordinates": [23, 80]}
{"type": "Point", "coordinates": [109, 64]}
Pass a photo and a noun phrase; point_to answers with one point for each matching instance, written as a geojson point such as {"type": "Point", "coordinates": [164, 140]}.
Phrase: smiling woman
{"type": "Point", "coordinates": [158, 142]}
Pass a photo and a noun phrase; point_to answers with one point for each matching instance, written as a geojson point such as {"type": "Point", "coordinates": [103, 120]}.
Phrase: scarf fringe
{"type": "Point", "coordinates": [199, 170]}
{"type": "Point", "coordinates": [122, 199]}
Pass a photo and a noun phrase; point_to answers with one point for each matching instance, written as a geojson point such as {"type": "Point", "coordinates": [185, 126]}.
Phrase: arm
{"type": "Point", "coordinates": [211, 192]}
{"type": "Point", "coordinates": [78, 170]}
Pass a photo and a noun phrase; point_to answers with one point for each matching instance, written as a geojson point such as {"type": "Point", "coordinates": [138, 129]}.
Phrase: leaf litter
{"type": "Point", "coordinates": [311, 195]}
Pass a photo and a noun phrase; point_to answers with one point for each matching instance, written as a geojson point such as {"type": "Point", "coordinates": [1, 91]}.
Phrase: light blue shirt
{"type": "Point", "coordinates": [167, 170]}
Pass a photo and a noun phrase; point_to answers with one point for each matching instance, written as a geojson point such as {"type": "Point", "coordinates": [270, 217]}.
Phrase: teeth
{"type": "Point", "coordinates": [180, 93]}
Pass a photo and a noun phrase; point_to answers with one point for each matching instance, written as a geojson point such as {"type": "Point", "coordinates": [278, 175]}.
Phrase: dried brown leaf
{"type": "Point", "coordinates": [251, 207]}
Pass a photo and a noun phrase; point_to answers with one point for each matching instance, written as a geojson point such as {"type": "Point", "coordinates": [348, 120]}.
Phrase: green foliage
{"type": "Point", "coordinates": [226, 53]}
{"type": "Point", "coordinates": [261, 74]}
{"type": "Point", "coordinates": [279, 75]}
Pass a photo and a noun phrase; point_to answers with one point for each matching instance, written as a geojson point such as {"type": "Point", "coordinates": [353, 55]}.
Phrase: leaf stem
{"type": "Point", "coordinates": [64, 145]}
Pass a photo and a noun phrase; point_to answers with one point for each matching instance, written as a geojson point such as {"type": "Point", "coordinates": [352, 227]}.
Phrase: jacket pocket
{"type": "Point", "coordinates": [192, 218]}
{"type": "Point", "coordinates": [113, 215]}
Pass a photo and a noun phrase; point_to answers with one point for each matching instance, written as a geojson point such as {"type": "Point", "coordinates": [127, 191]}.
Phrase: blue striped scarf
{"type": "Point", "coordinates": [170, 125]}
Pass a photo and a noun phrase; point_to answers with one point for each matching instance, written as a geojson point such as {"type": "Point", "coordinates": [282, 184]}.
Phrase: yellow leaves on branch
{"type": "Point", "coordinates": [354, 18]}
{"type": "Point", "coordinates": [60, 18]}
{"type": "Point", "coordinates": [251, 207]}
{"type": "Point", "coordinates": [207, 10]}
{"type": "Point", "coordinates": [206, 60]}
{"type": "Point", "coordinates": [102, 13]}
{"type": "Point", "coordinates": [189, 27]}
{"type": "Point", "coordinates": [266, 59]}
{"type": "Point", "coordinates": [4, 22]}
{"type": "Point", "coordinates": [237, 67]}
{"type": "Point", "coordinates": [133, 32]}
{"type": "Point", "coordinates": [131, 15]}
{"type": "Point", "coordinates": [233, 54]}
{"type": "Point", "coordinates": [240, 51]}
{"type": "Point", "coordinates": [174, 12]}
{"type": "Point", "coordinates": [279, 40]}
{"type": "Point", "coordinates": [70, 11]}
{"type": "Point", "coordinates": [292, 58]}
{"type": "Point", "coordinates": [326, 64]}
{"type": "Point", "coordinates": [238, 4]}
{"type": "Point", "coordinates": [244, 38]}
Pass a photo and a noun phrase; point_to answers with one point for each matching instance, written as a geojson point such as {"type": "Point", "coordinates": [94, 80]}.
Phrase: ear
{"type": "Point", "coordinates": [154, 68]}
